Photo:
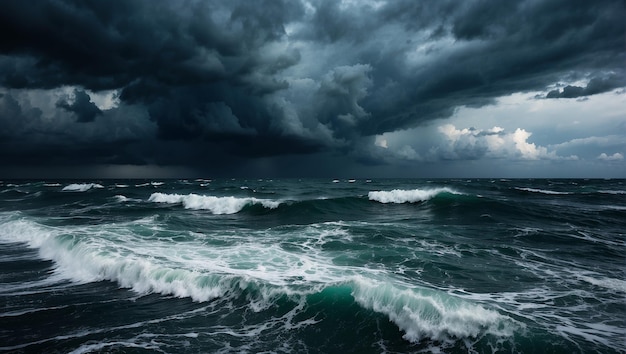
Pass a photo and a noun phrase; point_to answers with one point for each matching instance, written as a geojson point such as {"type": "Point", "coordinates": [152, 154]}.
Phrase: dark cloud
{"type": "Point", "coordinates": [83, 107]}
{"type": "Point", "coordinates": [48, 135]}
{"type": "Point", "coordinates": [595, 86]}
{"type": "Point", "coordinates": [246, 79]}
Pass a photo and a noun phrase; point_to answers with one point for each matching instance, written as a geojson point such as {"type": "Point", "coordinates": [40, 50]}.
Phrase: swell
{"type": "Point", "coordinates": [420, 313]}
{"type": "Point", "coordinates": [469, 204]}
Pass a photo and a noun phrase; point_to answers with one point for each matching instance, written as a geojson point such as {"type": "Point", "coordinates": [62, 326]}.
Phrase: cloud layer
{"type": "Point", "coordinates": [203, 83]}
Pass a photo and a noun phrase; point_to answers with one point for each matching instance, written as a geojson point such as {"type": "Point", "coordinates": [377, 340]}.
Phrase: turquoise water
{"type": "Point", "coordinates": [363, 266]}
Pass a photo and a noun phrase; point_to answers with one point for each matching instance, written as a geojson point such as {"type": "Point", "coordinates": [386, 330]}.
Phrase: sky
{"type": "Point", "coordinates": [312, 88]}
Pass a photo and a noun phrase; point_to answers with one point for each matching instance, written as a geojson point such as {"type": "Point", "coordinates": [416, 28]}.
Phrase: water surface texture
{"type": "Point", "coordinates": [367, 266]}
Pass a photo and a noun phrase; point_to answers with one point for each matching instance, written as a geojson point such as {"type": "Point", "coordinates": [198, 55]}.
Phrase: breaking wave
{"type": "Point", "coordinates": [409, 196]}
{"type": "Point", "coordinates": [216, 205]}
{"type": "Point", "coordinates": [81, 187]}
{"type": "Point", "coordinates": [431, 314]}
{"type": "Point", "coordinates": [542, 191]}
{"type": "Point", "coordinates": [420, 313]}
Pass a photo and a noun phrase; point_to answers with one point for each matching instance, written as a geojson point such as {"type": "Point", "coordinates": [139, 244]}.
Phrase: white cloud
{"type": "Point", "coordinates": [529, 150]}
{"type": "Point", "coordinates": [381, 141]}
{"type": "Point", "coordinates": [447, 142]}
{"type": "Point", "coordinates": [551, 121]}
{"type": "Point", "coordinates": [615, 157]}
{"type": "Point", "coordinates": [105, 100]}
{"type": "Point", "coordinates": [472, 143]}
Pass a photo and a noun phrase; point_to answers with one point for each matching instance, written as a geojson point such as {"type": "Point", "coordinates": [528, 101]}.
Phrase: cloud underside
{"type": "Point", "coordinates": [206, 83]}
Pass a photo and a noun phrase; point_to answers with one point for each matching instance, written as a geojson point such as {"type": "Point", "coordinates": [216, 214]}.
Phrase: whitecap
{"type": "Point", "coordinates": [202, 274]}
{"type": "Point", "coordinates": [542, 191]}
{"type": "Point", "coordinates": [432, 314]}
{"type": "Point", "coordinates": [612, 192]}
{"type": "Point", "coordinates": [217, 205]}
{"type": "Point", "coordinates": [408, 196]}
{"type": "Point", "coordinates": [81, 187]}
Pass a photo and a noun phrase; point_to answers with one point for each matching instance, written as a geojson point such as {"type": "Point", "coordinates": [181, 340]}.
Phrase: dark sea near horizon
{"type": "Point", "coordinates": [313, 266]}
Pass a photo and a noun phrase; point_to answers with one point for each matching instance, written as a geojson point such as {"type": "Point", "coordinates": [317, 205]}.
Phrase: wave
{"type": "Point", "coordinates": [121, 198]}
{"type": "Point", "coordinates": [431, 314]}
{"type": "Point", "coordinates": [268, 275]}
{"type": "Point", "coordinates": [542, 191]}
{"type": "Point", "coordinates": [408, 196]}
{"type": "Point", "coordinates": [81, 187]}
{"type": "Point", "coordinates": [216, 205]}
{"type": "Point", "coordinates": [616, 192]}
{"type": "Point", "coordinates": [124, 199]}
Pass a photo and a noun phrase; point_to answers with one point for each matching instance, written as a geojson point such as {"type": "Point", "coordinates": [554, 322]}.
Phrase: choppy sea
{"type": "Point", "coordinates": [313, 266]}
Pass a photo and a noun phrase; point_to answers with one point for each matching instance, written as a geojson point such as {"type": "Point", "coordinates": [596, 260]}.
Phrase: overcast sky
{"type": "Point", "coordinates": [351, 88]}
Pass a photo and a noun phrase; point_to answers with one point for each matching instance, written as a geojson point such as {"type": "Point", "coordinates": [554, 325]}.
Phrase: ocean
{"type": "Point", "coordinates": [313, 266]}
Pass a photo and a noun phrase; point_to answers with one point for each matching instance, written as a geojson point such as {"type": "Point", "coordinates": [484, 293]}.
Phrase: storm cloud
{"type": "Point", "coordinates": [211, 84]}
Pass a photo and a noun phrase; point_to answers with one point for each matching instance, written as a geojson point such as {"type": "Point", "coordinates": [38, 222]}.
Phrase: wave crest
{"type": "Point", "coordinates": [542, 191]}
{"type": "Point", "coordinates": [408, 196]}
{"type": "Point", "coordinates": [420, 313]}
{"type": "Point", "coordinates": [425, 313]}
{"type": "Point", "coordinates": [216, 205]}
{"type": "Point", "coordinates": [81, 187]}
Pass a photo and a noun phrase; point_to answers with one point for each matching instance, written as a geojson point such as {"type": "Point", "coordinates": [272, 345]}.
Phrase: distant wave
{"type": "Point", "coordinates": [542, 191]}
{"type": "Point", "coordinates": [216, 205]}
{"type": "Point", "coordinates": [408, 196]}
{"type": "Point", "coordinates": [123, 199]}
{"type": "Point", "coordinates": [612, 192]}
{"type": "Point", "coordinates": [81, 187]}
{"type": "Point", "coordinates": [152, 184]}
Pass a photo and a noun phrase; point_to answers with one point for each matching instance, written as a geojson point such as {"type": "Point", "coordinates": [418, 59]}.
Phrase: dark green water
{"type": "Point", "coordinates": [198, 266]}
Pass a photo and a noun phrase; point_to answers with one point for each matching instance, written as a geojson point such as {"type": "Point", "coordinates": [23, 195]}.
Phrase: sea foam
{"type": "Point", "coordinates": [89, 254]}
{"type": "Point", "coordinates": [408, 196]}
{"type": "Point", "coordinates": [216, 205]}
{"type": "Point", "coordinates": [88, 259]}
{"type": "Point", "coordinates": [616, 192]}
{"type": "Point", "coordinates": [81, 187]}
{"type": "Point", "coordinates": [542, 191]}
{"type": "Point", "coordinates": [271, 271]}
{"type": "Point", "coordinates": [431, 314]}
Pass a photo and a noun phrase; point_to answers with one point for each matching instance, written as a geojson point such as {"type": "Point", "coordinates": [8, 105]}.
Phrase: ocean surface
{"type": "Point", "coordinates": [313, 266]}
